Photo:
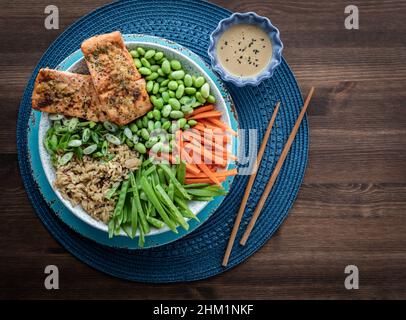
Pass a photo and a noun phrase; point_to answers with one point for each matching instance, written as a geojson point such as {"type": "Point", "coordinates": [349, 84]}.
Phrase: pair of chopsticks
{"type": "Point", "coordinates": [270, 183]}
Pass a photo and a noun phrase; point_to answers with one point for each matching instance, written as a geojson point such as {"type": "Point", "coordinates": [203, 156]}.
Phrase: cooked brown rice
{"type": "Point", "coordinates": [87, 182]}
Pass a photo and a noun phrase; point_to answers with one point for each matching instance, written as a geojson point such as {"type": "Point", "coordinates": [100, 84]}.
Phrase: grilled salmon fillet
{"type": "Point", "coordinates": [121, 91]}
{"type": "Point", "coordinates": [67, 93]}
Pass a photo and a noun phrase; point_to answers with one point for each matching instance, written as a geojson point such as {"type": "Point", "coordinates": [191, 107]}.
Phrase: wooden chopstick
{"type": "Point", "coordinates": [249, 186]}
{"type": "Point", "coordinates": [276, 171]}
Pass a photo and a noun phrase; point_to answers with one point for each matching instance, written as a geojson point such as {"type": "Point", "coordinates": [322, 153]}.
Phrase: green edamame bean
{"type": "Point", "coordinates": [138, 123]}
{"type": "Point", "coordinates": [175, 114]}
{"type": "Point", "coordinates": [165, 96]}
{"type": "Point", "coordinates": [175, 65]}
{"type": "Point", "coordinates": [151, 61]}
{"type": "Point", "coordinates": [157, 124]}
{"type": "Point", "coordinates": [166, 110]}
{"type": "Point", "coordinates": [179, 82]}
{"type": "Point", "coordinates": [192, 122]}
{"type": "Point", "coordinates": [171, 93]}
{"type": "Point", "coordinates": [199, 82]}
{"type": "Point", "coordinates": [186, 127]}
{"type": "Point", "coordinates": [150, 115]}
{"type": "Point", "coordinates": [184, 100]}
{"type": "Point", "coordinates": [163, 89]}
{"type": "Point", "coordinates": [180, 91]}
{"type": "Point", "coordinates": [190, 91]}
{"type": "Point", "coordinates": [145, 63]}
{"type": "Point", "coordinates": [177, 75]}
{"type": "Point", "coordinates": [188, 80]}
{"type": "Point", "coordinates": [159, 55]}
{"type": "Point", "coordinates": [159, 103]}
{"type": "Point", "coordinates": [150, 86]}
{"type": "Point", "coordinates": [144, 134]}
{"type": "Point", "coordinates": [129, 143]}
{"type": "Point", "coordinates": [144, 122]}
{"type": "Point", "coordinates": [149, 54]}
{"type": "Point", "coordinates": [205, 90]}
{"type": "Point", "coordinates": [160, 80]}
{"type": "Point", "coordinates": [166, 125]}
{"type": "Point", "coordinates": [165, 83]}
{"type": "Point", "coordinates": [151, 126]}
{"type": "Point", "coordinates": [173, 85]}
{"type": "Point", "coordinates": [155, 89]}
{"type": "Point", "coordinates": [156, 114]}
{"type": "Point", "coordinates": [175, 104]}
{"type": "Point", "coordinates": [187, 109]}
{"type": "Point", "coordinates": [134, 53]}
{"type": "Point", "coordinates": [182, 122]}
{"type": "Point", "coordinates": [166, 67]}
{"type": "Point", "coordinates": [140, 147]}
{"type": "Point", "coordinates": [200, 98]}
{"type": "Point", "coordinates": [133, 127]}
{"type": "Point", "coordinates": [150, 143]}
{"type": "Point", "coordinates": [141, 51]}
{"type": "Point", "coordinates": [137, 63]}
{"type": "Point", "coordinates": [144, 71]}
{"type": "Point", "coordinates": [154, 68]}
{"type": "Point", "coordinates": [160, 72]}
{"type": "Point", "coordinates": [211, 99]}
{"type": "Point", "coordinates": [152, 76]}
{"type": "Point", "coordinates": [157, 147]}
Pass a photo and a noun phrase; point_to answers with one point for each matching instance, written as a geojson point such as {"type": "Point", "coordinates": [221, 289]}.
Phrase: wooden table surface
{"type": "Point", "coordinates": [351, 208]}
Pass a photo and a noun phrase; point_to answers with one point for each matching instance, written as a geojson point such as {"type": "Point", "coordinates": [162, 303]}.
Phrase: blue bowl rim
{"type": "Point", "coordinates": [250, 18]}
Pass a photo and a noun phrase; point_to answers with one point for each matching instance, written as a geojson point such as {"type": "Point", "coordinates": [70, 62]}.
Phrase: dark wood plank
{"type": "Point", "coordinates": [350, 209]}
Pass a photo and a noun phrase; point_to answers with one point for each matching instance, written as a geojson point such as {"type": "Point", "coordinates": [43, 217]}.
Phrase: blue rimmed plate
{"type": "Point", "coordinates": [76, 217]}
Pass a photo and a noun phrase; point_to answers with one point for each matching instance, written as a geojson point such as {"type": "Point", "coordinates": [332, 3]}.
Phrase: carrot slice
{"type": "Point", "coordinates": [222, 125]}
{"type": "Point", "coordinates": [208, 114]}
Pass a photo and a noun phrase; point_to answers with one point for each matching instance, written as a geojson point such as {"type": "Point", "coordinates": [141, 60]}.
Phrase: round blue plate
{"type": "Point", "coordinates": [197, 255]}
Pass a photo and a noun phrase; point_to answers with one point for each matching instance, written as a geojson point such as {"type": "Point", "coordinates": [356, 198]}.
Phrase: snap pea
{"type": "Point", "coordinates": [175, 181]}
{"type": "Point", "coordinates": [175, 211]}
{"type": "Point", "coordinates": [156, 222]}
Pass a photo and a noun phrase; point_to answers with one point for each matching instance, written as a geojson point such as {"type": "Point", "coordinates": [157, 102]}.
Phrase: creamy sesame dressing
{"type": "Point", "coordinates": [244, 50]}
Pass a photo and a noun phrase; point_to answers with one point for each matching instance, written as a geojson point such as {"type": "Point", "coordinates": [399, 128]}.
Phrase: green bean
{"type": "Point", "coordinates": [90, 149]}
{"type": "Point", "coordinates": [188, 80]}
{"type": "Point", "coordinates": [177, 75]}
{"type": "Point", "coordinates": [166, 67]}
{"type": "Point", "coordinates": [149, 54]}
{"type": "Point", "coordinates": [140, 147]}
{"type": "Point", "coordinates": [180, 91]}
{"type": "Point", "coordinates": [144, 71]}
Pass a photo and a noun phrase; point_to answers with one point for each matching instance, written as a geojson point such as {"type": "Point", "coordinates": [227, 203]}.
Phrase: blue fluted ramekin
{"type": "Point", "coordinates": [246, 18]}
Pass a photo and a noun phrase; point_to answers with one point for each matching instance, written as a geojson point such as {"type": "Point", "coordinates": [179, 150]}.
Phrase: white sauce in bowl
{"type": "Point", "coordinates": [244, 50]}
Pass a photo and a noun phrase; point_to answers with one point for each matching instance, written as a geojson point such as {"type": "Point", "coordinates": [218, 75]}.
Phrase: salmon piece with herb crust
{"type": "Point", "coordinates": [67, 93]}
{"type": "Point", "coordinates": [122, 92]}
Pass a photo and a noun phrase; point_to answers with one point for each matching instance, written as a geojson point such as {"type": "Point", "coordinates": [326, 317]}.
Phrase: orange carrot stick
{"type": "Point", "coordinates": [205, 108]}
{"type": "Point", "coordinates": [218, 174]}
{"type": "Point", "coordinates": [222, 125]}
{"type": "Point", "coordinates": [202, 180]}
{"type": "Point", "coordinates": [207, 114]}
{"type": "Point", "coordinates": [209, 174]}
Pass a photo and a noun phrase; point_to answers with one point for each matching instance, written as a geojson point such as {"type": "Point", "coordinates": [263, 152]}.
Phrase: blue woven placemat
{"type": "Point", "coordinates": [199, 254]}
